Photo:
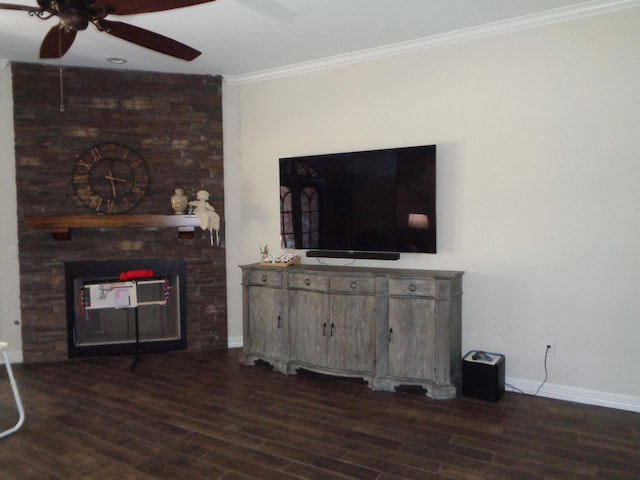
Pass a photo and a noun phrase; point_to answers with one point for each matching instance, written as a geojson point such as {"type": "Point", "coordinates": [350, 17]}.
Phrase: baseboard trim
{"type": "Point", "coordinates": [234, 342]}
{"type": "Point", "coordinates": [14, 356]}
{"type": "Point", "coordinates": [578, 395]}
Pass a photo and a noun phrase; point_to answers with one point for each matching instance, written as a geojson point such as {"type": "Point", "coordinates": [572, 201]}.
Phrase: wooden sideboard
{"type": "Point", "coordinates": [391, 327]}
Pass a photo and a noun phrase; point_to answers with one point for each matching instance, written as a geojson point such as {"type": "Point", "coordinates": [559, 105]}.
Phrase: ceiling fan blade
{"type": "Point", "coordinates": [56, 42]}
{"type": "Point", "coordinates": [151, 40]}
{"type": "Point", "coordinates": [131, 7]}
{"type": "Point", "coordinates": [11, 6]}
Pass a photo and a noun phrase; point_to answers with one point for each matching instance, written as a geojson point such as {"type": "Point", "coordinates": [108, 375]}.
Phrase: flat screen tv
{"type": "Point", "coordinates": [369, 204]}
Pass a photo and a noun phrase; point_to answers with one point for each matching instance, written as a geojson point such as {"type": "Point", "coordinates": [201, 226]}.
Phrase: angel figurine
{"type": "Point", "coordinates": [206, 214]}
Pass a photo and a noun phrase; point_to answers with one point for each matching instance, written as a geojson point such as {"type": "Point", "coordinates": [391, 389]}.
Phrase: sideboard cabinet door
{"type": "Point", "coordinates": [265, 335]}
{"type": "Point", "coordinates": [424, 333]}
{"type": "Point", "coordinates": [309, 314]}
{"type": "Point", "coordinates": [266, 326]}
{"type": "Point", "coordinates": [352, 325]}
{"type": "Point", "coordinates": [411, 338]}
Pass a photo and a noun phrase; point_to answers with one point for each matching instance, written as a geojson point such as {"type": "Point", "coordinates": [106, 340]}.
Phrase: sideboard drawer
{"type": "Point", "coordinates": [419, 287]}
{"type": "Point", "coordinates": [361, 285]}
{"type": "Point", "coordinates": [265, 277]}
{"type": "Point", "coordinates": [309, 281]}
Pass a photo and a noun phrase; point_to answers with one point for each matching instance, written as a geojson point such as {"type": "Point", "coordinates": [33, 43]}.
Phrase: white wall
{"type": "Point", "coordinates": [233, 201]}
{"type": "Point", "coordinates": [538, 196]}
{"type": "Point", "coordinates": [9, 279]}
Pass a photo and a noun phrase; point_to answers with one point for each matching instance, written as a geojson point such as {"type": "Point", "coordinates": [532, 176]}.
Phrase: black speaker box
{"type": "Point", "coordinates": [483, 375]}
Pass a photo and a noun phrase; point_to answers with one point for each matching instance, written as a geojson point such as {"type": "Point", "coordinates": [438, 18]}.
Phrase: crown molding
{"type": "Point", "coordinates": [3, 63]}
{"type": "Point", "coordinates": [548, 17]}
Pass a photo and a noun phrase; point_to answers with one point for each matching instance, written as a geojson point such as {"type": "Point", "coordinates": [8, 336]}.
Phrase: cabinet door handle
{"type": "Point", "coordinates": [412, 288]}
{"type": "Point", "coordinates": [324, 329]}
{"type": "Point", "coordinates": [279, 318]}
{"type": "Point", "coordinates": [390, 334]}
{"type": "Point", "coordinates": [353, 285]}
{"type": "Point", "coordinates": [307, 282]}
{"type": "Point", "coordinates": [264, 278]}
{"type": "Point", "coordinates": [332, 327]}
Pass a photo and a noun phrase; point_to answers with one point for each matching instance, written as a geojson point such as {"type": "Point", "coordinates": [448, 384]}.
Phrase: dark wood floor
{"type": "Point", "coordinates": [201, 415]}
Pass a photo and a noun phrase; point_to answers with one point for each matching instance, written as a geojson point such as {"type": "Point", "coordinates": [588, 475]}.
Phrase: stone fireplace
{"type": "Point", "coordinates": [175, 123]}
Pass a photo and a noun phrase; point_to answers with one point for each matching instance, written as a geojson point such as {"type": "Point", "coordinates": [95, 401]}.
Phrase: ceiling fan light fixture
{"type": "Point", "coordinates": [117, 60]}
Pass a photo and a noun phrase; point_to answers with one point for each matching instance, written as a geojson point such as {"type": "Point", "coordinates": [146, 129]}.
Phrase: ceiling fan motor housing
{"type": "Point", "coordinates": [73, 19]}
{"type": "Point", "coordinates": [73, 14]}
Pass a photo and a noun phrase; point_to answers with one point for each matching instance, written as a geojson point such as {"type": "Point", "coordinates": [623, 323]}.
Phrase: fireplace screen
{"type": "Point", "coordinates": [109, 316]}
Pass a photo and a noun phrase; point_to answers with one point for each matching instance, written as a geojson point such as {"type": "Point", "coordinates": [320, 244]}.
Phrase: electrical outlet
{"type": "Point", "coordinates": [550, 349]}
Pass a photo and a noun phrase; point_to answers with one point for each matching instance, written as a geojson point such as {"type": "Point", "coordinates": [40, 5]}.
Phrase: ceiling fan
{"type": "Point", "coordinates": [76, 15]}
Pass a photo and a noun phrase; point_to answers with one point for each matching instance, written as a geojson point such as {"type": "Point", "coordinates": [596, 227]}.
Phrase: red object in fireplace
{"type": "Point", "coordinates": [136, 274]}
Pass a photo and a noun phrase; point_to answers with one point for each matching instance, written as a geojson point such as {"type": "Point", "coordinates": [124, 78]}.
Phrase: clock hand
{"type": "Point", "coordinates": [115, 179]}
{"type": "Point", "coordinates": [112, 179]}
{"type": "Point", "coordinates": [113, 185]}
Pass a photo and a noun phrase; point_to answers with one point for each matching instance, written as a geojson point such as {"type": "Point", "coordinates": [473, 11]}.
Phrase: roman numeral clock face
{"type": "Point", "coordinates": [110, 178]}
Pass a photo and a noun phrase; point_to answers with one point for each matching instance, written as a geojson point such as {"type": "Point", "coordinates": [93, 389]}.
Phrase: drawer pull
{"type": "Point", "coordinates": [307, 282]}
{"type": "Point", "coordinates": [412, 288]}
{"type": "Point", "coordinates": [353, 285]}
{"type": "Point", "coordinates": [264, 278]}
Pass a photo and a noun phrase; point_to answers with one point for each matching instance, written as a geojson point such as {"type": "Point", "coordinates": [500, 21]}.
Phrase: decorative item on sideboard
{"type": "Point", "coordinates": [282, 260]}
{"type": "Point", "coordinates": [264, 251]}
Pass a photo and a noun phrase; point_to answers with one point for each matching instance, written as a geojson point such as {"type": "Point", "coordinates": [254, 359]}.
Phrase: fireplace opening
{"type": "Point", "coordinates": [121, 307]}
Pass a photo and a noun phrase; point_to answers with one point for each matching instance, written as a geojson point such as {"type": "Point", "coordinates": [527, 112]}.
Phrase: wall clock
{"type": "Point", "coordinates": [110, 178]}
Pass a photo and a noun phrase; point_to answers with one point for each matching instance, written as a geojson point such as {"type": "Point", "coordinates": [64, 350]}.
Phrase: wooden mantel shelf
{"type": "Point", "coordinates": [60, 226]}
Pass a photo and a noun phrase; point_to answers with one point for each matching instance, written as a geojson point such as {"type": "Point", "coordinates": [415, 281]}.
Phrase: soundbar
{"type": "Point", "coordinates": [369, 255]}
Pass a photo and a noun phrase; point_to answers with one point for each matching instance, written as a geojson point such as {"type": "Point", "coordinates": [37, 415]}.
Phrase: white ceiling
{"type": "Point", "coordinates": [245, 39]}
